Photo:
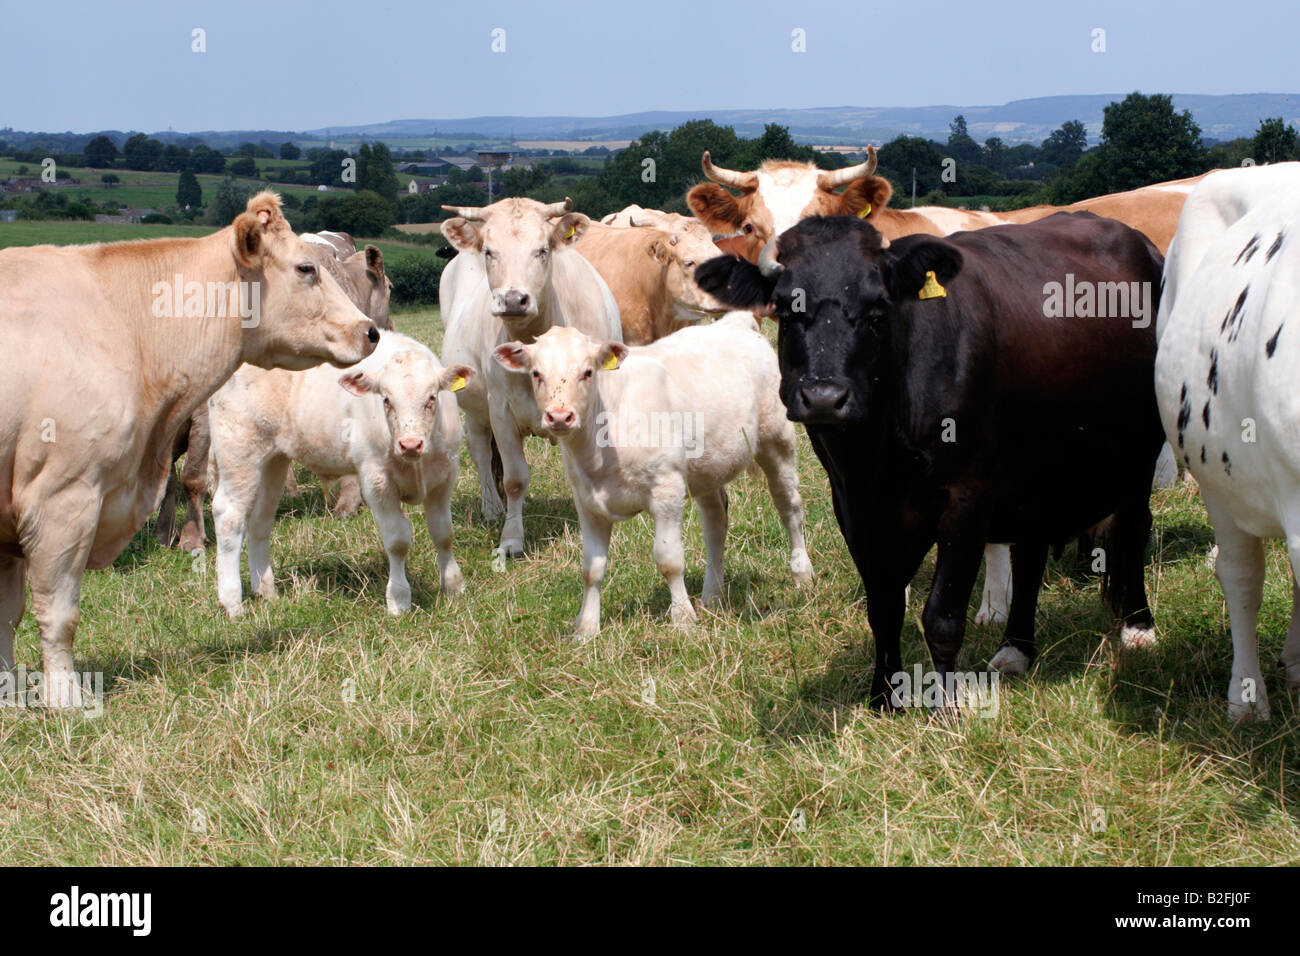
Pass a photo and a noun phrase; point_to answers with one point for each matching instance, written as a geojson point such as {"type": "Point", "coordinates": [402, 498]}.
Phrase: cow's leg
{"type": "Point", "coordinates": [292, 489]}
{"type": "Point", "coordinates": [1166, 468]}
{"type": "Point", "coordinates": [944, 619]}
{"type": "Point", "coordinates": [515, 464]}
{"type": "Point", "coordinates": [194, 479]}
{"type": "Point", "coordinates": [13, 589]}
{"type": "Point", "coordinates": [261, 577]}
{"type": "Point", "coordinates": [998, 588]}
{"type": "Point", "coordinates": [666, 505]}
{"type": "Point", "coordinates": [1240, 571]}
{"type": "Point", "coordinates": [478, 439]}
{"type": "Point", "coordinates": [395, 531]}
{"type": "Point", "coordinates": [1290, 661]}
{"type": "Point", "coordinates": [713, 519]}
{"type": "Point", "coordinates": [1028, 562]}
{"type": "Point", "coordinates": [56, 560]}
{"type": "Point", "coordinates": [595, 553]}
{"type": "Point", "coordinates": [165, 530]}
{"type": "Point", "coordinates": [777, 459]}
{"type": "Point", "coordinates": [1126, 569]}
{"type": "Point", "coordinates": [349, 501]}
{"type": "Point", "coordinates": [437, 515]}
{"type": "Point", "coordinates": [234, 498]}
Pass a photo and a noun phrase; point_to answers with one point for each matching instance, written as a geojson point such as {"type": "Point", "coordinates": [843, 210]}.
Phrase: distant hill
{"type": "Point", "coordinates": [1220, 117]}
{"type": "Point", "coordinates": [1020, 121]}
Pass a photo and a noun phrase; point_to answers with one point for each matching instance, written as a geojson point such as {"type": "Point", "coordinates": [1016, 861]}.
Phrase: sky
{"type": "Point", "coordinates": [289, 65]}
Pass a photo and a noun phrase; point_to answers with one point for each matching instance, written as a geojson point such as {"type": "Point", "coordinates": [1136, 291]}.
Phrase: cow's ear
{"type": "Point", "coordinates": [908, 260]}
{"type": "Point", "coordinates": [247, 241]}
{"type": "Point", "coordinates": [736, 283]}
{"type": "Point", "coordinates": [715, 207]}
{"type": "Point", "coordinates": [569, 228]}
{"type": "Point", "coordinates": [610, 355]}
{"type": "Point", "coordinates": [513, 356]}
{"type": "Point", "coordinates": [374, 263]}
{"type": "Point", "coordinates": [461, 233]}
{"type": "Point", "coordinates": [864, 198]}
{"type": "Point", "coordinates": [357, 383]}
{"type": "Point", "coordinates": [454, 378]}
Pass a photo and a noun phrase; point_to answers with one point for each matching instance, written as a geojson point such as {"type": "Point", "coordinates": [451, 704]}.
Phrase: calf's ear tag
{"type": "Point", "coordinates": [866, 211]}
{"type": "Point", "coordinates": [569, 234]}
{"type": "Point", "coordinates": [610, 363]}
{"type": "Point", "coordinates": [457, 384]}
{"type": "Point", "coordinates": [932, 289]}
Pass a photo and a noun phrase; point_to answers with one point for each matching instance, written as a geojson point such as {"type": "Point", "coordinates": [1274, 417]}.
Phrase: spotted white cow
{"type": "Point", "coordinates": [643, 428]}
{"type": "Point", "coordinates": [1226, 371]}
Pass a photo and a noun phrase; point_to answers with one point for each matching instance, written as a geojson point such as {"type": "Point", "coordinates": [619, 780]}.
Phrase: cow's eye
{"type": "Point", "coordinates": [433, 400]}
{"type": "Point", "coordinates": [747, 229]}
{"type": "Point", "coordinates": [489, 254]}
{"type": "Point", "coordinates": [689, 263]}
{"type": "Point", "coordinates": [307, 269]}
{"type": "Point", "coordinates": [537, 376]}
{"type": "Point", "coordinates": [587, 374]}
{"type": "Point", "coordinates": [541, 253]}
{"type": "Point", "coordinates": [388, 406]}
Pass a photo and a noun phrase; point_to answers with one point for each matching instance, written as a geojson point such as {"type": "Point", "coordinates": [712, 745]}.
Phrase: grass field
{"type": "Point", "coordinates": [317, 729]}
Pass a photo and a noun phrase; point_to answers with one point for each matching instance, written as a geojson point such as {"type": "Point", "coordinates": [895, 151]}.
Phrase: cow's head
{"type": "Point", "coordinates": [780, 193]}
{"type": "Point", "coordinates": [563, 364]}
{"type": "Point", "coordinates": [517, 238]}
{"type": "Point", "coordinates": [302, 316]}
{"type": "Point", "coordinates": [681, 244]}
{"type": "Point", "coordinates": [409, 384]}
{"type": "Point", "coordinates": [368, 264]}
{"type": "Point", "coordinates": [840, 293]}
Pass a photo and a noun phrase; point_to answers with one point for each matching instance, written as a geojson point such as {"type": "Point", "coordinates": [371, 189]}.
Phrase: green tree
{"type": "Point", "coordinates": [110, 179]}
{"type": "Point", "coordinates": [1065, 144]}
{"type": "Point", "coordinates": [142, 153]}
{"type": "Point", "coordinates": [903, 154]}
{"type": "Point", "coordinates": [229, 202]}
{"type": "Point", "coordinates": [100, 153]}
{"type": "Point", "coordinates": [244, 166]}
{"type": "Point", "coordinates": [961, 146]}
{"type": "Point", "coordinates": [362, 213]}
{"type": "Point", "coordinates": [1144, 141]}
{"type": "Point", "coordinates": [290, 151]}
{"type": "Point", "coordinates": [375, 171]}
{"type": "Point", "coordinates": [204, 159]}
{"type": "Point", "coordinates": [188, 192]}
{"type": "Point", "coordinates": [1275, 142]}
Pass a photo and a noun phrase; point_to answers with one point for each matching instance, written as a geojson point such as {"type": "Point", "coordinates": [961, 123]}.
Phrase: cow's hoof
{"type": "Point", "coordinates": [1138, 638]}
{"type": "Point", "coordinates": [584, 631]}
{"type": "Point", "coordinates": [234, 610]}
{"type": "Point", "coordinates": [1010, 661]}
{"type": "Point", "coordinates": [193, 542]}
{"type": "Point", "coordinates": [453, 582]}
{"type": "Point", "coordinates": [62, 691]}
{"type": "Point", "coordinates": [1240, 712]}
{"type": "Point", "coordinates": [801, 567]}
{"type": "Point", "coordinates": [512, 549]}
{"type": "Point", "coordinates": [682, 615]}
{"type": "Point", "coordinates": [991, 615]}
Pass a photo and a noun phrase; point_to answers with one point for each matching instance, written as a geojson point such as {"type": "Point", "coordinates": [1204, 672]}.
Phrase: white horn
{"type": "Point", "coordinates": [558, 208]}
{"type": "Point", "coordinates": [842, 177]}
{"type": "Point", "coordinates": [728, 177]}
{"type": "Point", "coordinates": [465, 212]}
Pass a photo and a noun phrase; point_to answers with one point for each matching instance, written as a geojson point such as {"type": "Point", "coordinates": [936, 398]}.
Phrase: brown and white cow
{"type": "Point", "coordinates": [782, 192]}
{"type": "Point", "coordinates": [118, 344]}
{"type": "Point", "coordinates": [651, 273]}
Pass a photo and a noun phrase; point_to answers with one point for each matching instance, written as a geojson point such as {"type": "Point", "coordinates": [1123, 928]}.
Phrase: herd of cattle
{"type": "Point", "coordinates": [993, 384]}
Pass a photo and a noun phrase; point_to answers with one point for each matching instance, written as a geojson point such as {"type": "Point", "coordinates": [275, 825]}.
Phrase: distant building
{"type": "Point", "coordinates": [8, 215]}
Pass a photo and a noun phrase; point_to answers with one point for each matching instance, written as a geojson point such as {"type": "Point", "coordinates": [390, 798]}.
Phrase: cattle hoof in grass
{"type": "Point", "coordinates": [682, 615]}
{"type": "Point", "coordinates": [512, 549]}
{"type": "Point", "coordinates": [988, 614]}
{"type": "Point", "coordinates": [1010, 661]}
{"type": "Point", "coordinates": [453, 582]}
{"type": "Point", "coordinates": [62, 691]}
{"type": "Point", "coordinates": [1138, 638]}
{"type": "Point", "coordinates": [1241, 712]}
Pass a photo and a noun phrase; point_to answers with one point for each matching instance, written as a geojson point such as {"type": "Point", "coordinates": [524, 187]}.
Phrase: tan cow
{"type": "Point", "coordinates": [523, 277]}
{"type": "Point", "coordinates": [651, 274]}
{"type": "Point", "coordinates": [115, 347]}
{"type": "Point", "coordinates": [1152, 210]}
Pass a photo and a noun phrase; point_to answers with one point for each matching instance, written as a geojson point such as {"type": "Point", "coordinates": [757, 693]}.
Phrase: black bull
{"type": "Point", "coordinates": [1000, 411]}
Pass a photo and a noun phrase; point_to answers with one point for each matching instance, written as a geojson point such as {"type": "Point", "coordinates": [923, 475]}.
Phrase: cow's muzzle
{"type": "Point", "coordinates": [822, 402]}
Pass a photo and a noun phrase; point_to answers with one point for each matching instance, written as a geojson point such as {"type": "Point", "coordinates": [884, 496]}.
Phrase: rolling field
{"type": "Point", "coordinates": [317, 729]}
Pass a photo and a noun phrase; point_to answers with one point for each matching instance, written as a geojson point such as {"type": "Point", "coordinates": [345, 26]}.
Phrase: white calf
{"type": "Point", "coordinates": [393, 423]}
{"type": "Point", "coordinates": [1226, 373]}
{"type": "Point", "coordinates": [683, 416]}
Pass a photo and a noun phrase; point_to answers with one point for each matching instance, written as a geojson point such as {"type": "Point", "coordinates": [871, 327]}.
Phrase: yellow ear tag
{"type": "Point", "coordinates": [610, 363]}
{"type": "Point", "coordinates": [569, 234]}
{"type": "Point", "coordinates": [866, 211]}
{"type": "Point", "coordinates": [932, 289]}
{"type": "Point", "coordinates": [457, 384]}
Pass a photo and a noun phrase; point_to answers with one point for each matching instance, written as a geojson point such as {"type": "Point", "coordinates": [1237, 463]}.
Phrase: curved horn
{"type": "Point", "coordinates": [842, 177]}
{"type": "Point", "coordinates": [466, 212]}
{"type": "Point", "coordinates": [767, 263]}
{"type": "Point", "coordinates": [727, 177]}
{"type": "Point", "coordinates": [554, 209]}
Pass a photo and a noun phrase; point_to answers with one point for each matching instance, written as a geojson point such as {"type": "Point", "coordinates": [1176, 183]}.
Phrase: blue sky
{"type": "Point", "coordinates": [76, 65]}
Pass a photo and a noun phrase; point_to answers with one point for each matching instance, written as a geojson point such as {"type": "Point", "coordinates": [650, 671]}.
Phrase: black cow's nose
{"type": "Point", "coordinates": [825, 398]}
